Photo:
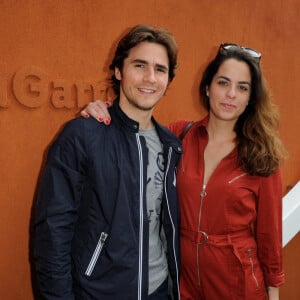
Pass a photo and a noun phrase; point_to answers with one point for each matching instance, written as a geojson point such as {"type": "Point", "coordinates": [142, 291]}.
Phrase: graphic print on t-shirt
{"type": "Point", "coordinates": [155, 173]}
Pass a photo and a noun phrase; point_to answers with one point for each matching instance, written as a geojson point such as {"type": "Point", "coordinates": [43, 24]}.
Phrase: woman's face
{"type": "Point", "coordinates": [229, 91]}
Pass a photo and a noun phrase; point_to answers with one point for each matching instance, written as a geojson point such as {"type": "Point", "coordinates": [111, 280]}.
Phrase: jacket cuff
{"type": "Point", "coordinates": [274, 279]}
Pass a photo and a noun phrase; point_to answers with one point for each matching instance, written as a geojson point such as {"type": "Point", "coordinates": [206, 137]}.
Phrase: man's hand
{"type": "Point", "coordinates": [98, 110]}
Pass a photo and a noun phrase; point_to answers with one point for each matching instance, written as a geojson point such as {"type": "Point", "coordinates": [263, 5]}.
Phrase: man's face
{"type": "Point", "coordinates": [144, 77]}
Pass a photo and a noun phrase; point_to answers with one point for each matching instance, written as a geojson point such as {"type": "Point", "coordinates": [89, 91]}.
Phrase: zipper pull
{"type": "Point", "coordinates": [103, 237]}
{"type": "Point", "coordinates": [250, 253]}
{"type": "Point", "coordinates": [203, 192]}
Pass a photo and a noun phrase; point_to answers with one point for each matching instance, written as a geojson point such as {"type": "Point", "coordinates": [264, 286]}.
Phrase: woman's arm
{"type": "Point", "coordinates": [98, 110]}
{"type": "Point", "coordinates": [273, 293]}
{"type": "Point", "coordinates": [269, 231]}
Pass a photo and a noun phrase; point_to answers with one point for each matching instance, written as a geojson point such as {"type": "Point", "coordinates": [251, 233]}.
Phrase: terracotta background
{"type": "Point", "coordinates": [54, 57]}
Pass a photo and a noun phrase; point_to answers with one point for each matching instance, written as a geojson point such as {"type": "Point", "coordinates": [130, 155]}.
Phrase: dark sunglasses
{"type": "Point", "coordinates": [252, 52]}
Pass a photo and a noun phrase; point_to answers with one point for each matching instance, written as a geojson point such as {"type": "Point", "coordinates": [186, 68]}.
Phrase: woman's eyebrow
{"type": "Point", "coordinates": [228, 79]}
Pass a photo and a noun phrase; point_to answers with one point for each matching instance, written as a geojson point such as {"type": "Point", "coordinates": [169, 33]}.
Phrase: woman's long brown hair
{"type": "Point", "coordinates": [260, 150]}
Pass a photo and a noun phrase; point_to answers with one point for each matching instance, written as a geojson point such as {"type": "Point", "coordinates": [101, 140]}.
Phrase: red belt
{"type": "Point", "coordinates": [202, 238]}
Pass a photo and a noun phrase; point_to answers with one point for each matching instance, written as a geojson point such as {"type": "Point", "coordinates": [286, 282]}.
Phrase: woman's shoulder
{"type": "Point", "coordinates": [180, 127]}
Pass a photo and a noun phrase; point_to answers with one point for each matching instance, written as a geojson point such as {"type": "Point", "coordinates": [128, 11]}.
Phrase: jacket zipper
{"type": "Point", "coordinates": [173, 226]}
{"type": "Point", "coordinates": [96, 254]}
{"type": "Point", "coordinates": [202, 196]}
{"type": "Point", "coordinates": [141, 235]}
{"type": "Point", "coordinates": [141, 229]}
{"type": "Point", "coordinates": [236, 178]}
{"type": "Point", "coordinates": [252, 266]}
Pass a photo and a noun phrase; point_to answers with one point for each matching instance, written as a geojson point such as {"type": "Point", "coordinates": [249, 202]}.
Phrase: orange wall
{"type": "Point", "coordinates": [53, 59]}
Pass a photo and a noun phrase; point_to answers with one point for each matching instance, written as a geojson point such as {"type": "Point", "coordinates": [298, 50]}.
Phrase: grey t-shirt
{"type": "Point", "coordinates": [158, 268]}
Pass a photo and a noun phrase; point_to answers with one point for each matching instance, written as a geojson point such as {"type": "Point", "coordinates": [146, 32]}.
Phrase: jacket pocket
{"type": "Point", "coordinates": [250, 256]}
{"type": "Point", "coordinates": [254, 286]}
{"type": "Point", "coordinates": [251, 279]}
{"type": "Point", "coordinates": [96, 253]}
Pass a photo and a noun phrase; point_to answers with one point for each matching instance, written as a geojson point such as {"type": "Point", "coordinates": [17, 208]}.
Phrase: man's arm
{"type": "Point", "coordinates": [56, 213]}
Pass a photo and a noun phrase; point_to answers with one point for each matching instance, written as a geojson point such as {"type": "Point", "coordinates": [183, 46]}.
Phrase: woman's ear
{"type": "Point", "coordinates": [118, 74]}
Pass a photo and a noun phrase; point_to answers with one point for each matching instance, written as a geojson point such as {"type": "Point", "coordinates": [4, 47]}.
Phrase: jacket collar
{"type": "Point", "coordinates": [125, 122]}
{"type": "Point", "coordinates": [167, 137]}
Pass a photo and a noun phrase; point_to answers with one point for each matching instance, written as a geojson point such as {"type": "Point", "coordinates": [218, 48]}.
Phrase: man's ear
{"type": "Point", "coordinates": [118, 74]}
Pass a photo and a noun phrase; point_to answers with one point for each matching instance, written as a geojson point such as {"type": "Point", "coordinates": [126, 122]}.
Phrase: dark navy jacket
{"type": "Point", "coordinates": [91, 225]}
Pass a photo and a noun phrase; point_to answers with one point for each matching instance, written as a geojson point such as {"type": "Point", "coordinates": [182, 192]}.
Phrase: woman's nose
{"type": "Point", "coordinates": [231, 92]}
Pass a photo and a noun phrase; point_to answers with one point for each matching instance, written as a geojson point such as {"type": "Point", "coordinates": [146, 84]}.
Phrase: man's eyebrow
{"type": "Point", "coordinates": [163, 67]}
{"type": "Point", "coordinates": [138, 60]}
{"type": "Point", "coordinates": [142, 61]}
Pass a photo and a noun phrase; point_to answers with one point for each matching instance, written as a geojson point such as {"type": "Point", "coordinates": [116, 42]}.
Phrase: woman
{"type": "Point", "coordinates": [229, 185]}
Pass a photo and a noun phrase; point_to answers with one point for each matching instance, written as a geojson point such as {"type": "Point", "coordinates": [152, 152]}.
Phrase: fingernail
{"type": "Point", "coordinates": [100, 119]}
{"type": "Point", "coordinates": [86, 116]}
{"type": "Point", "coordinates": [107, 103]}
{"type": "Point", "coordinates": [107, 121]}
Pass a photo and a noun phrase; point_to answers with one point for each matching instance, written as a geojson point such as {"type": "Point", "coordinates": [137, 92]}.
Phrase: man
{"type": "Point", "coordinates": [107, 215]}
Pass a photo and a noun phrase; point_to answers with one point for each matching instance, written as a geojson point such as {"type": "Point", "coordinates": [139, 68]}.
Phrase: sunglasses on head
{"type": "Point", "coordinates": [252, 52]}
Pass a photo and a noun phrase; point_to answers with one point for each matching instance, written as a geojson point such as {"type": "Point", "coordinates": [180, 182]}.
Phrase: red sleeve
{"type": "Point", "coordinates": [177, 126]}
{"type": "Point", "coordinates": [269, 229]}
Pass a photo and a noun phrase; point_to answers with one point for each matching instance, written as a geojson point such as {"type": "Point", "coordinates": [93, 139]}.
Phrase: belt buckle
{"type": "Point", "coordinates": [203, 239]}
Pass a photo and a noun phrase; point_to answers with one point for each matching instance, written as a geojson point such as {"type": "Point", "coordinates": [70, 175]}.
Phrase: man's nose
{"type": "Point", "coordinates": [150, 75]}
